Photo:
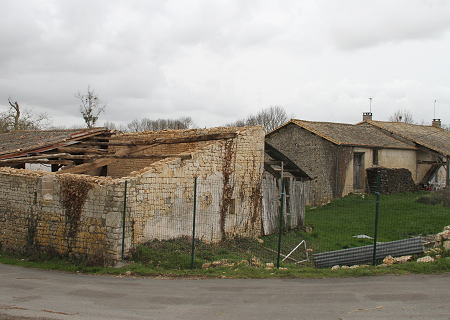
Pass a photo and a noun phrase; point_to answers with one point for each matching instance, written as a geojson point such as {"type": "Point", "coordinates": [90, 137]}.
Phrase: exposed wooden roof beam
{"type": "Point", "coordinates": [141, 145]}
{"type": "Point", "coordinates": [139, 141]}
{"type": "Point", "coordinates": [82, 150]}
{"type": "Point", "coordinates": [269, 169]}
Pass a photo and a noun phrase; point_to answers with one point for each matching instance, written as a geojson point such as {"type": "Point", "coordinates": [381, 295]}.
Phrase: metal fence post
{"type": "Point", "coordinates": [123, 217]}
{"type": "Point", "coordinates": [281, 222]}
{"type": "Point", "coordinates": [193, 223]}
{"type": "Point", "coordinates": [376, 218]}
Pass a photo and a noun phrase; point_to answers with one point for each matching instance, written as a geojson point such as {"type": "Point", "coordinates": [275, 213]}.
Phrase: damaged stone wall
{"type": "Point", "coordinates": [82, 215]}
{"type": "Point", "coordinates": [229, 195]}
{"type": "Point", "coordinates": [65, 214]}
{"type": "Point", "coordinates": [124, 168]}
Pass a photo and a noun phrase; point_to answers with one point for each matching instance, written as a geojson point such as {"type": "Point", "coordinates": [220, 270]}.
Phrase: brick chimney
{"type": "Point", "coordinates": [436, 123]}
{"type": "Point", "coordinates": [367, 116]}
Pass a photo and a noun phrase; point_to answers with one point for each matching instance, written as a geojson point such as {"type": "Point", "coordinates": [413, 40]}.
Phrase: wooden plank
{"type": "Point", "coordinates": [141, 145]}
{"type": "Point", "coordinates": [269, 169]}
{"type": "Point", "coordinates": [82, 150]}
{"type": "Point", "coordinates": [102, 162]}
{"type": "Point", "coordinates": [25, 159]}
{"type": "Point", "coordinates": [140, 141]}
{"type": "Point", "coordinates": [273, 162]}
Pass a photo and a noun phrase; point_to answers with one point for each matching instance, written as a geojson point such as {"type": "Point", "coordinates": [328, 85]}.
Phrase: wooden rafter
{"type": "Point", "coordinates": [82, 150]}
{"type": "Point", "coordinates": [129, 141]}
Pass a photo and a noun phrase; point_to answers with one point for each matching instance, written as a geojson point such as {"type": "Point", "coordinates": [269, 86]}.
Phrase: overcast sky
{"type": "Point", "coordinates": [219, 61]}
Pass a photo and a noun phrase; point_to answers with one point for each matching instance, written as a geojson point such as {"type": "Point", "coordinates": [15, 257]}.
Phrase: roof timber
{"type": "Point", "coordinates": [130, 141]}
{"type": "Point", "coordinates": [141, 145]}
{"type": "Point", "coordinates": [82, 150]}
{"type": "Point", "coordinates": [61, 157]}
{"type": "Point", "coordinates": [86, 150]}
{"type": "Point", "coordinates": [279, 159]}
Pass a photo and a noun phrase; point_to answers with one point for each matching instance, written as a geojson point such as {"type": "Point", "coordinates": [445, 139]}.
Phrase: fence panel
{"type": "Point", "coordinates": [349, 222]}
{"type": "Point", "coordinates": [232, 226]}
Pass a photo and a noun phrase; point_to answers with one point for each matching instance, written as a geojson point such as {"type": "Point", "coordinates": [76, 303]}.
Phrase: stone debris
{"type": "Point", "coordinates": [446, 245]}
{"type": "Point", "coordinates": [404, 259]}
{"type": "Point", "coordinates": [389, 260]}
{"type": "Point", "coordinates": [444, 235]}
{"type": "Point", "coordinates": [337, 267]}
{"type": "Point", "coordinates": [425, 259]}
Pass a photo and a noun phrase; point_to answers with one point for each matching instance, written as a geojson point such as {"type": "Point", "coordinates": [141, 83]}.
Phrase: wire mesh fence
{"type": "Point", "coordinates": [350, 221]}
{"type": "Point", "coordinates": [181, 223]}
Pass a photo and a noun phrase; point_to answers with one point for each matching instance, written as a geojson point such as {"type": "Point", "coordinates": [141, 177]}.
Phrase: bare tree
{"type": "Point", "coordinates": [91, 106]}
{"type": "Point", "coordinates": [160, 124]}
{"type": "Point", "coordinates": [270, 118]}
{"type": "Point", "coordinates": [401, 116]}
{"type": "Point", "coordinates": [16, 119]}
{"type": "Point", "coordinates": [15, 107]}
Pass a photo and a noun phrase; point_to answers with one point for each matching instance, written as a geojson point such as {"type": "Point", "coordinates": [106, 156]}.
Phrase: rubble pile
{"type": "Point", "coordinates": [391, 180]}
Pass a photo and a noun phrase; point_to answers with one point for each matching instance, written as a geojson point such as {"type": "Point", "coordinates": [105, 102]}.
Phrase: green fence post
{"type": "Point", "coordinates": [123, 217]}
{"type": "Point", "coordinates": [281, 222]}
{"type": "Point", "coordinates": [376, 218]}
{"type": "Point", "coordinates": [193, 223]}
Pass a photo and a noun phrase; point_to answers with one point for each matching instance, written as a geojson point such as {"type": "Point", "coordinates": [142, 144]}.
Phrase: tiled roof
{"type": "Point", "coordinates": [21, 142]}
{"type": "Point", "coordinates": [433, 138]}
{"type": "Point", "coordinates": [349, 134]}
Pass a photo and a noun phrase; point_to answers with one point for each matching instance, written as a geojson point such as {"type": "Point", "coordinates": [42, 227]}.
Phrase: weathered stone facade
{"type": "Point", "coordinates": [33, 215]}
{"type": "Point", "coordinates": [229, 174]}
{"type": "Point", "coordinates": [305, 149]}
{"type": "Point", "coordinates": [82, 215]}
{"type": "Point", "coordinates": [331, 165]}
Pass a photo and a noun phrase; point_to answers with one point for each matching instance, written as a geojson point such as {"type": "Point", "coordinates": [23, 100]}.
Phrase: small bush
{"type": "Point", "coordinates": [430, 200]}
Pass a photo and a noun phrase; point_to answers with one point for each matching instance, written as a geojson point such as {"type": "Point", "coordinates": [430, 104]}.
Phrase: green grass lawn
{"type": "Point", "coordinates": [400, 216]}
{"type": "Point", "coordinates": [334, 227]}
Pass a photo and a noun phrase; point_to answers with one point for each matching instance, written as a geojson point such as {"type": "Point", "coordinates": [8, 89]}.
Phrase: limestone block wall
{"type": "Point", "coordinates": [124, 168]}
{"type": "Point", "coordinates": [229, 172]}
{"type": "Point", "coordinates": [67, 214]}
{"type": "Point", "coordinates": [82, 215]}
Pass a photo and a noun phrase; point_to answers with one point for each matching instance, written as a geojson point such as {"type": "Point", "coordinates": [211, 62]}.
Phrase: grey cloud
{"type": "Point", "coordinates": [359, 24]}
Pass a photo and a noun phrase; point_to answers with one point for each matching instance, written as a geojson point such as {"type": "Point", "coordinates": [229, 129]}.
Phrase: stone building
{"type": "Point", "coordinates": [430, 164]}
{"type": "Point", "coordinates": [99, 178]}
{"type": "Point", "coordinates": [335, 155]}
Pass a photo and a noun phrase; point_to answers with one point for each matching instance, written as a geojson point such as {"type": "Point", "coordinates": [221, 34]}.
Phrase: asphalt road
{"type": "Point", "coordinates": [38, 294]}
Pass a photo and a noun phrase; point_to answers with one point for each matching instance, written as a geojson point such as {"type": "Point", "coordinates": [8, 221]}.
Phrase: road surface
{"type": "Point", "coordinates": [39, 294]}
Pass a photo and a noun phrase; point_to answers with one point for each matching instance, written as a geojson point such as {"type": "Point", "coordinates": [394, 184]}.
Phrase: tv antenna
{"type": "Point", "coordinates": [434, 114]}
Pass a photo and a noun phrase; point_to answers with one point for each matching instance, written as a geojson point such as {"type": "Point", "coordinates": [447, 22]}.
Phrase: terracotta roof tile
{"type": "Point", "coordinates": [433, 138]}
{"type": "Point", "coordinates": [349, 134]}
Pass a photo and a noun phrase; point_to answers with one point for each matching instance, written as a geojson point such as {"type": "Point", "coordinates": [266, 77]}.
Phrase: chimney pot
{"type": "Point", "coordinates": [367, 116]}
{"type": "Point", "coordinates": [436, 123]}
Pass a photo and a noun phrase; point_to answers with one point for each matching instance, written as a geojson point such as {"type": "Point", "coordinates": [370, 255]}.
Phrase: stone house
{"type": "Point", "coordinates": [335, 155]}
{"type": "Point", "coordinates": [430, 164]}
{"type": "Point", "coordinates": [99, 178]}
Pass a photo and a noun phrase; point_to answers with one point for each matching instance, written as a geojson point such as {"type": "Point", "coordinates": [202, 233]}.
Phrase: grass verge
{"type": "Point", "coordinates": [236, 271]}
{"type": "Point", "coordinates": [331, 227]}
